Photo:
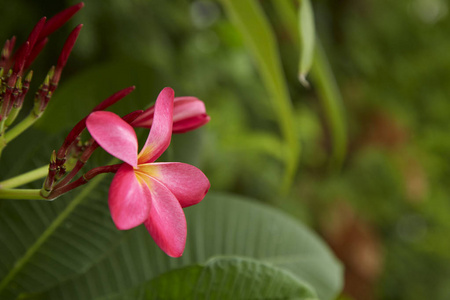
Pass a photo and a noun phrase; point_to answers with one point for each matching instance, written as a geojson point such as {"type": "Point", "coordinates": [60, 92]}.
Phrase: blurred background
{"type": "Point", "coordinates": [384, 211]}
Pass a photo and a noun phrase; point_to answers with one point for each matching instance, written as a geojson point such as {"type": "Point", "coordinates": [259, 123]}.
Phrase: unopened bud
{"type": "Point", "coordinates": [28, 77]}
{"type": "Point", "coordinates": [19, 82]}
{"type": "Point", "coordinates": [64, 56]}
{"type": "Point", "coordinates": [5, 51]}
{"type": "Point", "coordinates": [25, 86]}
{"type": "Point", "coordinates": [20, 58]}
{"type": "Point", "coordinates": [35, 52]}
{"type": "Point", "coordinates": [53, 158]}
{"type": "Point", "coordinates": [27, 48]}
{"type": "Point", "coordinates": [59, 19]}
{"type": "Point", "coordinates": [50, 180]}
{"type": "Point", "coordinates": [47, 79]}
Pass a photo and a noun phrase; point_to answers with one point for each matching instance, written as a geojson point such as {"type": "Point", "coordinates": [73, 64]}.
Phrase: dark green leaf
{"type": "Point", "coordinates": [223, 278]}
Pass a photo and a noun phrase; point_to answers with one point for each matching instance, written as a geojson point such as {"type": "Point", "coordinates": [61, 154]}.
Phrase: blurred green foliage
{"type": "Point", "coordinates": [391, 61]}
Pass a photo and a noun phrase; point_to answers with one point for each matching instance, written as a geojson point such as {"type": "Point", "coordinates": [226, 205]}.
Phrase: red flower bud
{"type": "Point", "coordinates": [35, 52]}
{"type": "Point", "coordinates": [64, 56]}
{"type": "Point", "coordinates": [59, 19]}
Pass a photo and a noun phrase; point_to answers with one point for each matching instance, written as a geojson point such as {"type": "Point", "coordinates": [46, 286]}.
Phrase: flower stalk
{"type": "Point", "coordinates": [80, 181]}
{"type": "Point", "coordinates": [24, 178]}
{"type": "Point", "coordinates": [19, 194]}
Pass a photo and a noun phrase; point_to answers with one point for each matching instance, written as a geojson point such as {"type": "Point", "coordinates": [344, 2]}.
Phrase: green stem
{"type": "Point", "coordinates": [2, 143]}
{"type": "Point", "coordinates": [21, 127]}
{"type": "Point", "coordinates": [24, 178]}
{"type": "Point", "coordinates": [330, 97]}
{"type": "Point", "coordinates": [22, 194]}
{"type": "Point", "coordinates": [2, 125]}
{"type": "Point", "coordinates": [288, 14]}
{"type": "Point", "coordinates": [12, 116]}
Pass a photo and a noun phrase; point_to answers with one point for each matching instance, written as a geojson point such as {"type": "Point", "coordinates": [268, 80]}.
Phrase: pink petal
{"type": "Point", "coordinates": [185, 110]}
{"type": "Point", "coordinates": [187, 107]}
{"type": "Point", "coordinates": [186, 182]}
{"type": "Point", "coordinates": [161, 132]}
{"type": "Point", "coordinates": [189, 124]}
{"type": "Point", "coordinates": [145, 120]}
{"type": "Point", "coordinates": [129, 199]}
{"type": "Point", "coordinates": [166, 222]}
{"type": "Point", "coordinates": [114, 135]}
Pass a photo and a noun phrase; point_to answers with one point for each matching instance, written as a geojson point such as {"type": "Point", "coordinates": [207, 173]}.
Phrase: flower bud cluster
{"type": "Point", "coordinates": [14, 85]}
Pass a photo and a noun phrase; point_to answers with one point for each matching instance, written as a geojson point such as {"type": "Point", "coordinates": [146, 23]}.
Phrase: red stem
{"type": "Point", "coordinates": [80, 163]}
{"type": "Point", "coordinates": [83, 180]}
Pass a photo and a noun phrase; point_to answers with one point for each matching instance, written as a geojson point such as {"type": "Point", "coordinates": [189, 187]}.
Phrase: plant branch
{"type": "Point", "coordinates": [21, 127]}
{"type": "Point", "coordinates": [83, 180]}
{"type": "Point", "coordinates": [24, 178]}
{"type": "Point", "coordinates": [21, 194]}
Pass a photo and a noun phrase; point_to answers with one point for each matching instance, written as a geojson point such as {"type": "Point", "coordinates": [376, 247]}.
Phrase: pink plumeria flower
{"type": "Point", "coordinates": [143, 191]}
{"type": "Point", "coordinates": [189, 113]}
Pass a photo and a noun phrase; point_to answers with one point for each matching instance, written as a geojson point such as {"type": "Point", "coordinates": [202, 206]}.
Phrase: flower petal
{"type": "Point", "coordinates": [145, 120]}
{"type": "Point", "coordinates": [161, 132]}
{"type": "Point", "coordinates": [128, 199]}
{"type": "Point", "coordinates": [191, 123]}
{"type": "Point", "coordinates": [183, 108]}
{"type": "Point", "coordinates": [186, 182]}
{"type": "Point", "coordinates": [114, 135]}
{"type": "Point", "coordinates": [166, 222]}
{"type": "Point", "coordinates": [187, 107]}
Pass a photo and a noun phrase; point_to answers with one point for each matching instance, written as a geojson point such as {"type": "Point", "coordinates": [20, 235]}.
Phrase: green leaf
{"type": "Point", "coordinates": [331, 100]}
{"type": "Point", "coordinates": [223, 278]}
{"type": "Point", "coordinates": [44, 243]}
{"type": "Point", "coordinates": [258, 35]}
{"type": "Point", "coordinates": [322, 77]}
{"type": "Point", "coordinates": [307, 39]}
{"type": "Point", "coordinates": [258, 143]}
{"type": "Point", "coordinates": [220, 225]}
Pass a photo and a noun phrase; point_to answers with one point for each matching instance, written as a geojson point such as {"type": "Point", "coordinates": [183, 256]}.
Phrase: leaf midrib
{"type": "Point", "coordinates": [21, 262]}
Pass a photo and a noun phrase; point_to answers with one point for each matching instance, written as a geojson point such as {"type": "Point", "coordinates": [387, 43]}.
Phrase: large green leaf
{"type": "Point", "coordinates": [220, 225]}
{"type": "Point", "coordinates": [223, 278]}
{"type": "Point", "coordinates": [42, 243]}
